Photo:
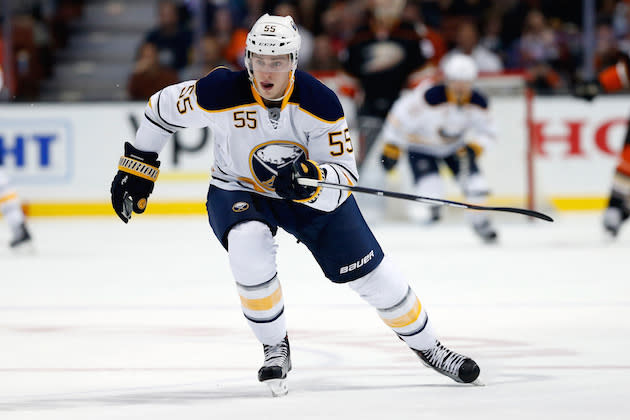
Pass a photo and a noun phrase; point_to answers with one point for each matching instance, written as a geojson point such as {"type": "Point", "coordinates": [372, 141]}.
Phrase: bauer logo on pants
{"type": "Point", "coordinates": [348, 268]}
{"type": "Point", "coordinates": [240, 206]}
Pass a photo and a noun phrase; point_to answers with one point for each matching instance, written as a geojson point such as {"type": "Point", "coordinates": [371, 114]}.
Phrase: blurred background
{"type": "Point", "coordinates": [77, 74]}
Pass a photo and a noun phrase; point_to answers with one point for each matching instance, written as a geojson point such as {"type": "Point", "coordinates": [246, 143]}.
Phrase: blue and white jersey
{"type": "Point", "coordinates": [428, 120]}
{"type": "Point", "coordinates": [251, 141]}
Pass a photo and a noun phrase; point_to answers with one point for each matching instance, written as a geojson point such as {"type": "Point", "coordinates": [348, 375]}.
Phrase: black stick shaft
{"type": "Point", "coordinates": [421, 199]}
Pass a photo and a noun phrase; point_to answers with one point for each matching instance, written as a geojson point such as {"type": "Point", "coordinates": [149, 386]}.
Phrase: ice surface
{"type": "Point", "coordinates": [142, 321]}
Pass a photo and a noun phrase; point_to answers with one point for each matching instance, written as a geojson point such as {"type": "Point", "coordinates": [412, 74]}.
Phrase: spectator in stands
{"type": "Point", "coordinates": [468, 43]}
{"type": "Point", "coordinates": [286, 8]}
{"type": "Point", "coordinates": [491, 35]}
{"type": "Point", "coordinates": [324, 57]}
{"type": "Point", "coordinates": [173, 41]}
{"type": "Point", "coordinates": [149, 75]}
{"type": "Point", "coordinates": [537, 50]}
{"type": "Point", "coordinates": [383, 56]}
{"type": "Point", "coordinates": [208, 57]}
{"type": "Point", "coordinates": [231, 39]}
{"type": "Point", "coordinates": [433, 43]}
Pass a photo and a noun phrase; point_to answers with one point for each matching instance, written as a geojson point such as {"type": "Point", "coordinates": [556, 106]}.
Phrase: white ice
{"type": "Point", "coordinates": [143, 321]}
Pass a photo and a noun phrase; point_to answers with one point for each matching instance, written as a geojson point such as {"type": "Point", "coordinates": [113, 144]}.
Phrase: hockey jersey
{"type": "Point", "coordinates": [251, 141]}
{"type": "Point", "coordinates": [427, 120]}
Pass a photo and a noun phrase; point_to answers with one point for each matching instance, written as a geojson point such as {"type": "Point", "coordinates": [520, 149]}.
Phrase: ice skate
{"type": "Point", "coordinates": [486, 232]}
{"type": "Point", "coordinates": [434, 215]}
{"type": "Point", "coordinates": [276, 366]}
{"type": "Point", "coordinates": [613, 218]}
{"type": "Point", "coordinates": [21, 238]}
{"type": "Point", "coordinates": [456, 366]}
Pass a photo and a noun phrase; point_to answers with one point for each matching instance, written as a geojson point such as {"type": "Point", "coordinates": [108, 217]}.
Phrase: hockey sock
{"type": "Point", "coordinates": [396, 304]}
{"type": "Point", "coordinates": [252, 253]}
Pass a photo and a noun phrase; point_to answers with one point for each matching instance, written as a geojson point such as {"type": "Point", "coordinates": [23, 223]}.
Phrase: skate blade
{"type": "Point", "coordinates": [478, 382]}
{"type": "Point", "coordinates": [24, 249]}
{"type": "Point", "coordinates": [278, 387]}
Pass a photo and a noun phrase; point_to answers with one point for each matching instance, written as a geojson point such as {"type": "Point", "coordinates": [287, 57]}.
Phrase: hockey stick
{"type": "Point", "coordinates": [427, 200]}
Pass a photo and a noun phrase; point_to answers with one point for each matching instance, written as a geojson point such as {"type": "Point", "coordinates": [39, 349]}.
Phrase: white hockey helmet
{"type": "Point", "coordinates": [460, 67]}
{"type": "Point", "coordinates": [272, 35]}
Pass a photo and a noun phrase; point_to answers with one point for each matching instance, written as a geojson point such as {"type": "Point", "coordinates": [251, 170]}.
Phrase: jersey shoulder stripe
{"type": "Point", "coordinates": [315, 98]}
{"type": "Point", "coordinates": [479, 99]}
{"type": "Point", "coordinates": [436, 95]}
{"type": "Point", "coordinates": [223, 88]}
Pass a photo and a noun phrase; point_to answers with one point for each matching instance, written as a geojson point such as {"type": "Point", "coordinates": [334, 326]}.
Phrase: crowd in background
{"type": "Point", "coordinates": [541, 37]}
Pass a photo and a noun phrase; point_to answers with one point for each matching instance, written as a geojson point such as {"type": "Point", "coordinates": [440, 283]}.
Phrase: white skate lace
{"type": "Point", "coordinates": [444, 359]}
{"type": "Point", "coordinates": [275, 355]}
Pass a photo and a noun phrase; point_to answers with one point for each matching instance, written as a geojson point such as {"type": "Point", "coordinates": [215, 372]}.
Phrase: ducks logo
{"type": "Point", "coordinates": [266, 159]}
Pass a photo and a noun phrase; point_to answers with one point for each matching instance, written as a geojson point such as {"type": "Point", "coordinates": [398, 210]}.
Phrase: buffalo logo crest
{"type": "Point", "coordinates": [268, 158]}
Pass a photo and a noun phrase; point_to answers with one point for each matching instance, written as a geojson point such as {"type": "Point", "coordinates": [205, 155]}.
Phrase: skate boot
{"type": "Point", "coordinates": [486, 231]}
{"type": "Point", "coordinates": [612, 221]}
{"type": "Point", "coordinates": [276, 366]}
{"type": "Point", "coordinates": [21, 237]}
{"type": "Point", "coordinates": [434, 215]}
{"type": "Point", "coordinates": [457, 367]}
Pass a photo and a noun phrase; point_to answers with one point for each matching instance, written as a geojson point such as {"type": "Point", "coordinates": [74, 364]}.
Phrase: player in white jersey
{"type": "Point", "coordinates": [446, 122]}
{"type": "Point", "coordinates": [271, 125]}
{"type": "Point", "coordinates": [10, 207]}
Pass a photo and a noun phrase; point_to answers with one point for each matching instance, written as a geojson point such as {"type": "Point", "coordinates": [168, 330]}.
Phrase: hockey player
{"type": "Point", "coordinates": [12, 211]}
{"type": "Point", "coordinates": [10, 207]}
{"type": "Point", "coordinates": [612, 79]}
{"type": "Point", "coordinates": [273, 124]}
{"type": "Point", "coordinates": [445, 122]}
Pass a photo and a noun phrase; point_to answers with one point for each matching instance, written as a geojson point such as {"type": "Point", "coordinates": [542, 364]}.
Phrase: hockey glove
{"type": "Point", "coordinates": [390, 156]}
{"type": "Point", "coordinates": [475, 148]}
{"type": "Point", "coordinates": [286, 184]}
{"type": "Point", "coordinates": [132, 185]}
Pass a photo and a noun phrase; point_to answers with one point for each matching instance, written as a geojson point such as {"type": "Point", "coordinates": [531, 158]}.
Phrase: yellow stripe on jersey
{"type": "Point", "coordinates": [263, 304]}
{"type": "Point", "coordinates": [406, 319]}
{"type": "Point", "coordinates": [8, 197]}
{"type": "Point", "coordinates": [315, 116]}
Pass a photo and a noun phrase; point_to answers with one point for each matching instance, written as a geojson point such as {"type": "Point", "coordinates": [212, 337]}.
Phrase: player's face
{"type": "Point", "coordinates": [460, 89]}
{"type": "Point", "coordinates": [271, 74]}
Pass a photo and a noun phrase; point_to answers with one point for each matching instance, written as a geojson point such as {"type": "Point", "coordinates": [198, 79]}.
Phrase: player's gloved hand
{"type": "Point", "coordinates": [474, 148]}
{"type": "Point", "coordinates": [390, 156]}
{"type": "Point", "coordinates": [286, 184]}
{"type": "Point", "coordinates": [132, 185]}
{"type": "Point", "coordinates": [587, 90]}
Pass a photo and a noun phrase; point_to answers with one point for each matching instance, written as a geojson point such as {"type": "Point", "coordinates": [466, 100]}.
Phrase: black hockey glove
{"type": "Point", "coordinates": [286, 184]}
{"type": "Point", "coordinates": [132, 185]}
{"type": "Point", "coordinates": [390, 156]}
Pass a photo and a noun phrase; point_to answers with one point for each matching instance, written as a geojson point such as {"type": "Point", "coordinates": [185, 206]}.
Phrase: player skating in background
{"type": "Point", "coordinates": [11, 210]}
{"type": "Point", "coordinates": [444, 123]}
{"type": "Point", "coordinates": [273, 124]}
{"type": "Point", "coordinates": [612, 79]}
{"type": "Point", "coordinates": [10, 207]}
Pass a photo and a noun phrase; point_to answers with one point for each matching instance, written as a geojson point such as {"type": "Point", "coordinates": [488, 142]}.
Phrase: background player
{"type": "Point", "coordinates": [445, 122]}
{"type": "Point", "coordinates": [11, 208]}
{"type": "Point", "coordinates": [612, 79]}
{"type": "Point", "coordinates": [273, 124]}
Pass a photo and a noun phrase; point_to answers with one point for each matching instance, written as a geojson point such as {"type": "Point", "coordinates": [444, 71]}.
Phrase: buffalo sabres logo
{"type": "Point", "coordinates": [240, 206]}
{"type": "Point", "coordinates": [267, 158]}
